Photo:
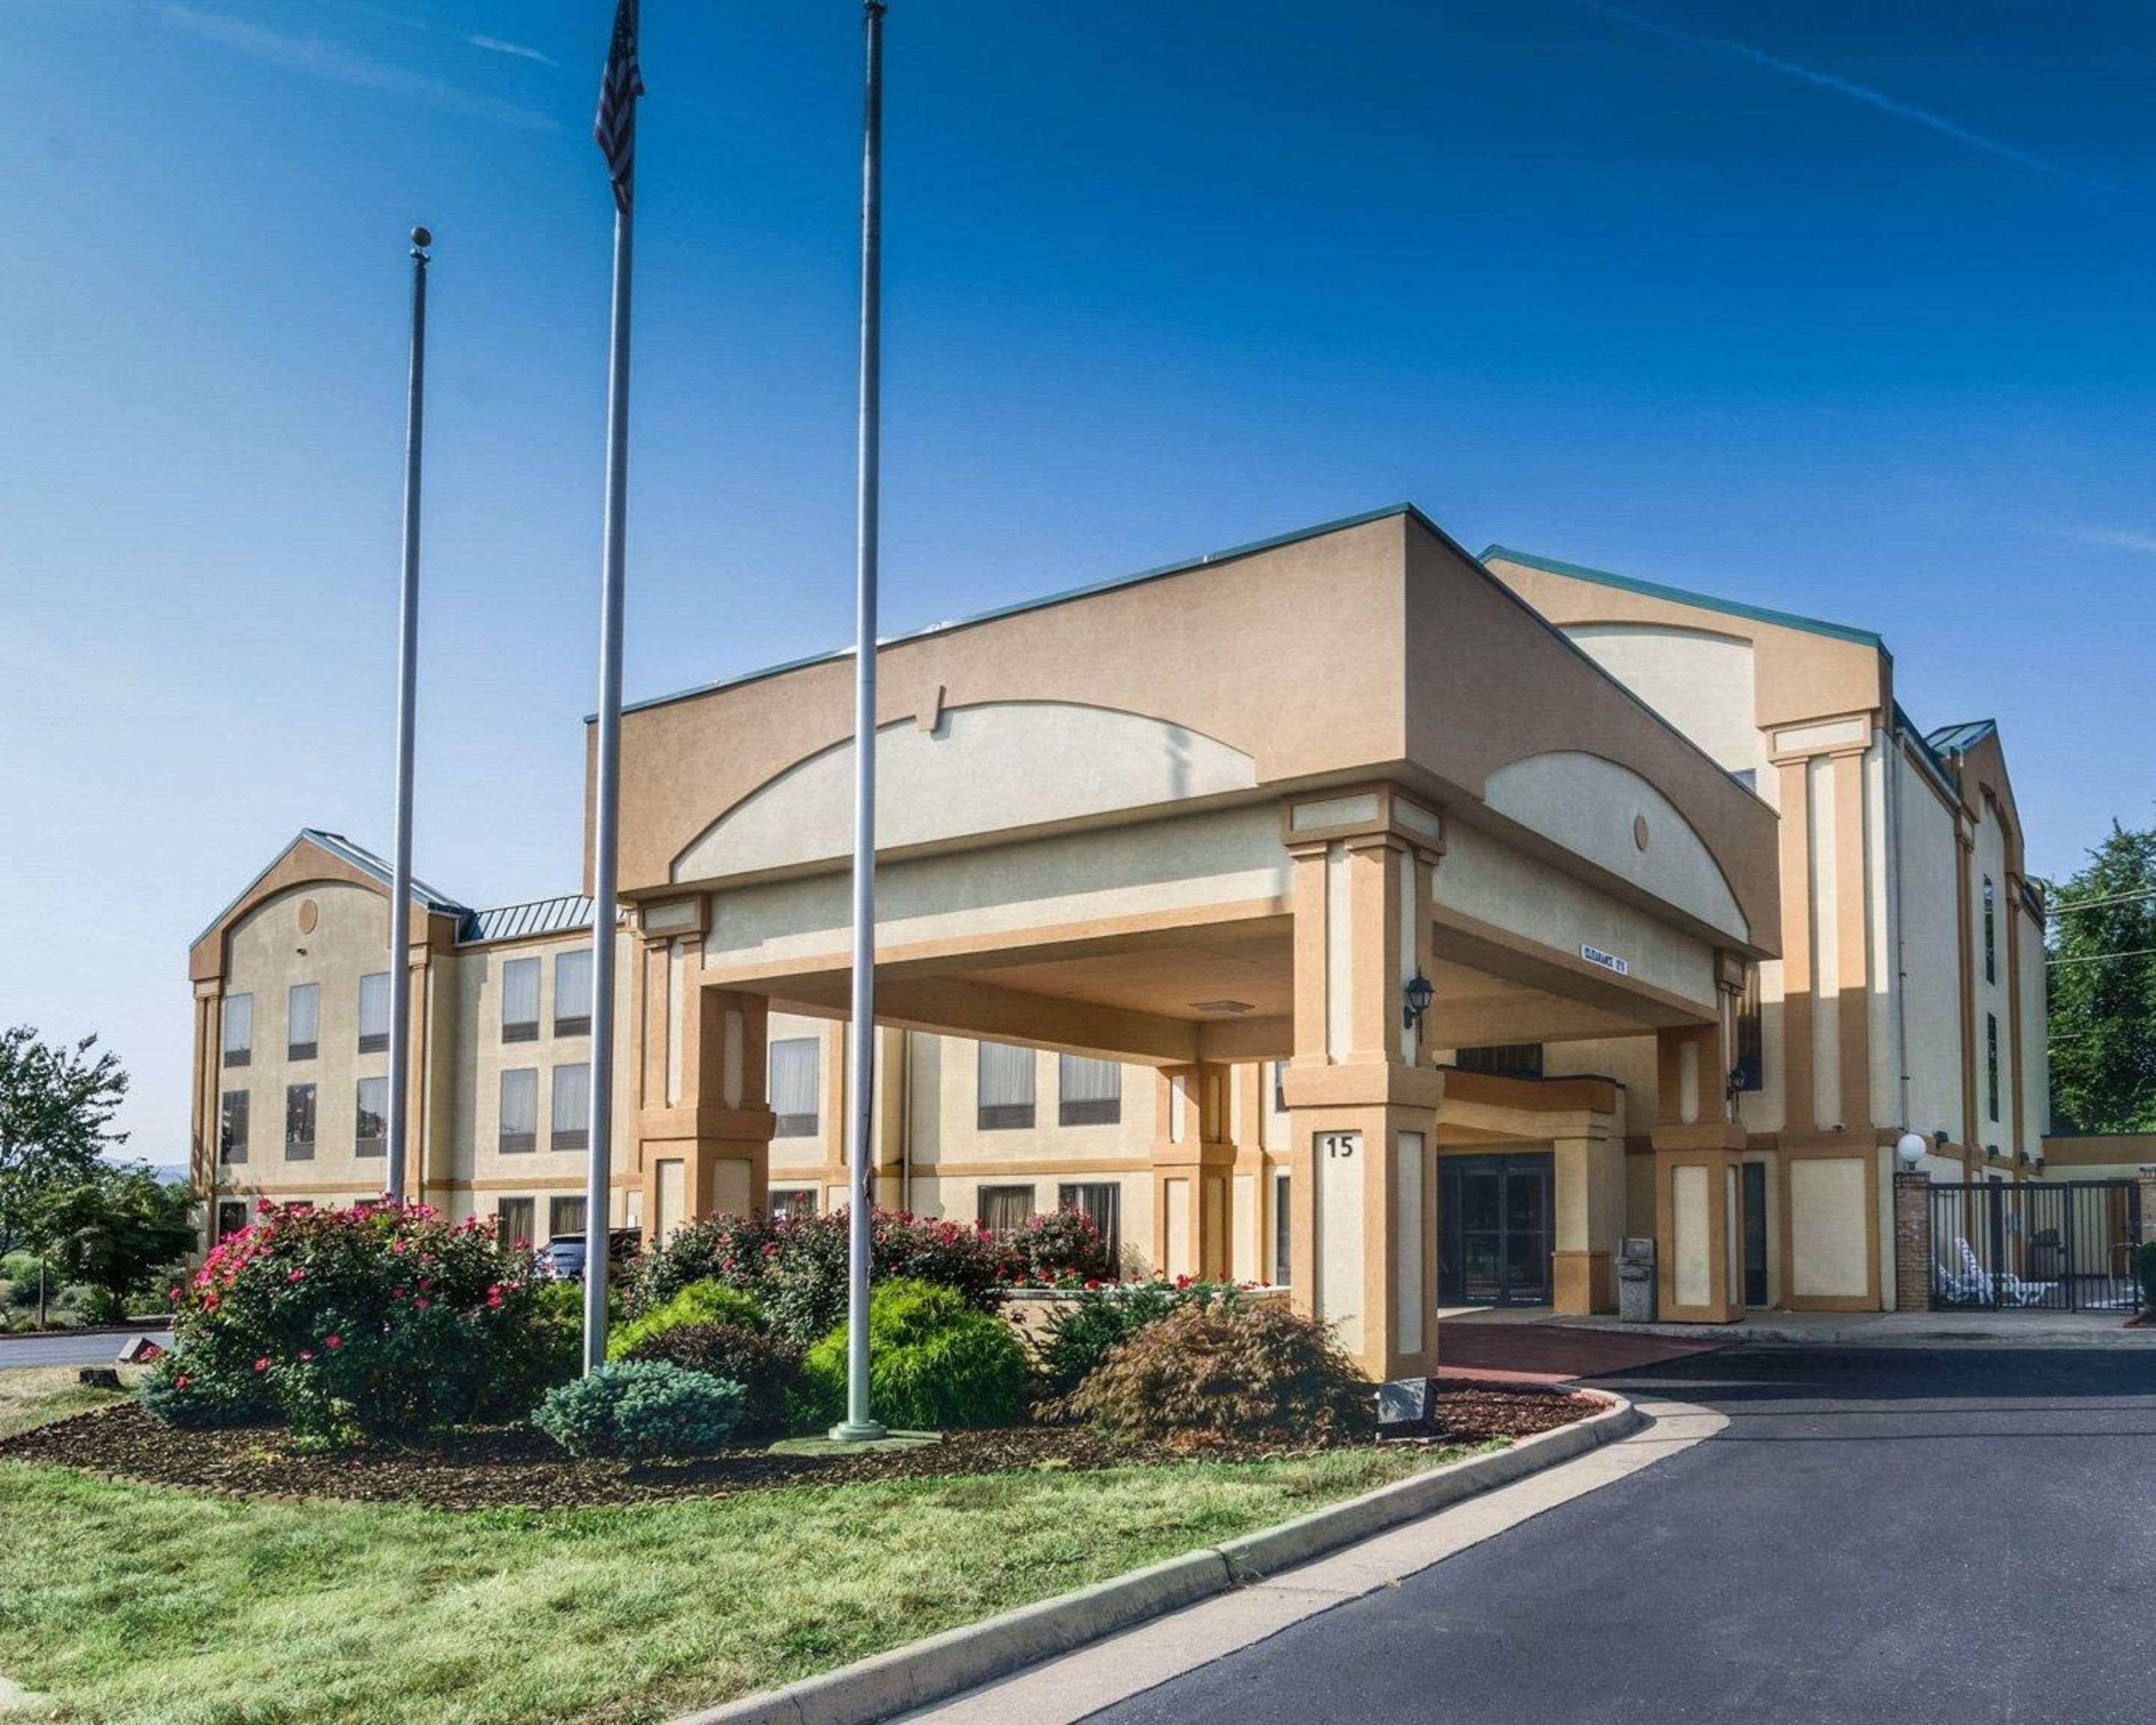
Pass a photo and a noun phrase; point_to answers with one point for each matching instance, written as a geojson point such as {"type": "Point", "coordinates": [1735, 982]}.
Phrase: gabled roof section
{"type": "Point", "coordinates": [1959, 739]}
{"type": "Point", "coordinates": [526, 922]}
{"type": "Point", "coordinates": [1684, 596]}
{"type": "Point", "coordinates": [354, 856]}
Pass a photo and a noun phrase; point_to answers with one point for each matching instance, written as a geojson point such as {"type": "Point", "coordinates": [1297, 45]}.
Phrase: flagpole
{"type": "Point", "coordinates": [408, 670]}
{"type": "Point", "coordinates": [859, 1426]}
{"type": "Point", "coordinates": [597, 1211]}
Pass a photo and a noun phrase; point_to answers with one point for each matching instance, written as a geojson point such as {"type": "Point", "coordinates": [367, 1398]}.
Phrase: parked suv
{"type": "Point", "coordinates": [562, 1257]}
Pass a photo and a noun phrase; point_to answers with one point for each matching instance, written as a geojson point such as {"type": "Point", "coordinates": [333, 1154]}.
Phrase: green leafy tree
{"type": "Point", "coordinates": [2102, 946]}
{"type": "Point", "coordinates": [57, 1105]}
{"type": "Point", "coordinates": [116, 1230]}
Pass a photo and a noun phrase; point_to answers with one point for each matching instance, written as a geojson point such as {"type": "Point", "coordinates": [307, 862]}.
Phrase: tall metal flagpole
{"type": "Point", "coordinates": [408, 670]}
{"type": "Point", "coordinates": [862, 1047]}
{"type": "Point", "coordinates": [615, 130]}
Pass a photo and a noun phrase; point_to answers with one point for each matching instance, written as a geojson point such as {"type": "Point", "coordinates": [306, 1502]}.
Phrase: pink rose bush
{"type": "Point", "coordinates": [313, 1315]}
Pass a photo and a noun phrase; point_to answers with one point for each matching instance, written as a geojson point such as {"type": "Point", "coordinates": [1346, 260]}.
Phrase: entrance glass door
{"type": "Point", "coordinates": [1494, 1231]}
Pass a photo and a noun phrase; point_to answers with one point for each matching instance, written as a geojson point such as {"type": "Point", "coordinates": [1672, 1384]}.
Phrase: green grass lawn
{"type": "Point", "coordinates": [121, 1603]}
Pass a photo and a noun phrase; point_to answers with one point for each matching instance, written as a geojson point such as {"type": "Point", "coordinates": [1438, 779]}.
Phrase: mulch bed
{"type": "Point", "coordinates": [514, 1466]}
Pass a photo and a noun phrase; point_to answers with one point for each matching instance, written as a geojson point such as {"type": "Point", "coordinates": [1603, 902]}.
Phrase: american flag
{"type": "Point", "coordinates": [615, 128]}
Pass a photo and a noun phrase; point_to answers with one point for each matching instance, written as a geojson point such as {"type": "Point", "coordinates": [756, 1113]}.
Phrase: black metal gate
{"type": "Point", "coordinates": [2047, 1245]}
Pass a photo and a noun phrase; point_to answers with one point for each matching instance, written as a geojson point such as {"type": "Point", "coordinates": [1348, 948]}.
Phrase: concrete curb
{"type": "Point", "coordinates": [963, 1658]}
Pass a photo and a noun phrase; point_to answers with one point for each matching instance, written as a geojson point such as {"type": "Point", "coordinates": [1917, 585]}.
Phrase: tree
{"type": "Point", "coordinates": [57, 1104]}
{"type": "Point", "coordinates": [2102, 980]}
{"type": "Point", "coordinates": [114, 1230]}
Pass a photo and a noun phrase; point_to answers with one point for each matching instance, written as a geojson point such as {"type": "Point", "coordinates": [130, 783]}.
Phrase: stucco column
{"type": "Point", "coordinates": [1361, 1095]}
{"type": "Point", "coordinates": [1193, 1164]}
{"type": "Point", "coordinates": [1590, 1171]}
{"type": "Point", "coordinates": [1695, 1141]}
{"type": "Point", "coordinates": [704, 1123]}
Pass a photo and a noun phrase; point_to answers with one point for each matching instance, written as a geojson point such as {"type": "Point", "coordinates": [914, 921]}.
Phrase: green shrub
{"type": "Point", "coordinates": [767, 1369]}
{"type": "Point", "coordinates": [796, 1270]}
{"type": "Point", "coordinates": [174, 1396]}
{"type": "Point", "coordinates": [642, 1410]}
{"type": "Point", "coordinates": [380, 1319]}
{"type": "Point", "coordinates": [934, 1361]}
{"type": "Point", "coordinates": [1081, 1332]}
{"type": "Point", "coordinates": [701, 1303]}
{"type": "Point", "coordinates": [2145, 1262]}
{"type": "Point", "coordinates": [1226, 1373]}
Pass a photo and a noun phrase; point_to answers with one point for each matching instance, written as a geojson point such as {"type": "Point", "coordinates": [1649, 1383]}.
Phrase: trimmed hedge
{"type": "Point", "coordinates": [934, 1362]}
{"type": "Point", "coordinates": [767, 1369]}
{"type": "Point", "coordinates": [701, 1303]}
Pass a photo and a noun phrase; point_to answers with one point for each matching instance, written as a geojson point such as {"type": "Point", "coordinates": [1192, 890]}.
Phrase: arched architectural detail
{"type": "Point", "coordinates": [998, 766]}
{"type": "Point", "coordinates": [1592, 807]}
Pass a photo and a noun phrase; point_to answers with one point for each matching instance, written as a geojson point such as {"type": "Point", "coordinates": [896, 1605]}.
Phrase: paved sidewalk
{"type": "Point", "coordinates": [1890, 1329]}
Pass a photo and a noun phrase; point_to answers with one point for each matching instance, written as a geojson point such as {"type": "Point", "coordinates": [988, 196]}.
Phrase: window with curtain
{"type": "Point", "coordinates": [790, 1203]}
{"type": "Point", "coordinates": [796, 1077]}
{"type": "Point", "coordinates": [1088, 1092]}
{"type": "Point", "coordinates": [1991, 1057]}
{"type": "Point", "coordinates": [232, 1126]}
{"type": "Point", "coordinates": [572, 993]}
{"type": "Point", "coordinates": [1101, 1202]}
{"type": "Point", "coordinates": [571, 1127]}
{"type": "Point", "coordinates": [1991, 932]}
{"type": "Point", "coordinates": [1283, 1228]}
{"type": "Point", "coordinates": [238, 1029]}
{"type": "Point", "coordinates": [299, 1122]}
{"type": "Point", "coordinates": [520, 1110]}
{"type": "Point", "coordinates": [1507, 1059]}
{"type": "Point", "coordinates": [1006, 1088]}
{"type": "Point", "coordinates": [513, 1218]}
{"type": "Point", "coordinates": [520, 1000]}
{"type": "Point", "coordinates": [565, 1215]}
{"type": "Point", "coordinates": [1003, 1208]}
{"type": "Point", "coordinates": [370, 1117]}
{"type": "Point", "coordinates": [374, 1012]}
{"type": "Point", "coordinates": [303, 1020]}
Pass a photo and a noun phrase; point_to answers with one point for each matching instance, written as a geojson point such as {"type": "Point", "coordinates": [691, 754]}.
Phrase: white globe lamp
{"type": "Point", "coordinates": [1911, 1148]}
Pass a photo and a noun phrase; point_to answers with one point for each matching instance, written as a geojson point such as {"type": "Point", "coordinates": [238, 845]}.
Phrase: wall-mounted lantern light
{"type": "Point", "coordinates": [1420, 993]}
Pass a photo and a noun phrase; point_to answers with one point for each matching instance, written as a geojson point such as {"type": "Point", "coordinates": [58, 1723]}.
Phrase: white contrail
{"type": "Point", "coordinates": [1855, 92]}
{"type": "Point", "coordinates": [495, 45]}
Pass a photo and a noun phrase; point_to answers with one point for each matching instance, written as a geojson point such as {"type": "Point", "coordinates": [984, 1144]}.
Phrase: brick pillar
{"type": "Point", "coordinates": [1912, 1242]}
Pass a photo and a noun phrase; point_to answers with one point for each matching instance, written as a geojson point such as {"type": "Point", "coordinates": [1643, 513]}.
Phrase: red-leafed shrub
{"type": "Point", "coordinates": [1225, 1373]}
{"type": "Point", "coordinates": [377, 1320]}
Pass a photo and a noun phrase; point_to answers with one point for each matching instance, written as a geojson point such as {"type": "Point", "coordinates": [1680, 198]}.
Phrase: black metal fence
{"type": "Point", "coordinates": [2056, 1245]}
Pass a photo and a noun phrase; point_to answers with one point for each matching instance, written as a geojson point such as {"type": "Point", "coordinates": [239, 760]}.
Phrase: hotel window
{"type": "Point", "coordinates": [303, 1020]}
{"type": "Point", "coordinates": [571, 1128]}
{"type": "Point", "coordinates": [796, 1072]}
{"type": "Point", "coordinates": [1088, 1092]}
{"type": "Point", "coordinates": [1283, 1228]}
{"type": "Point", "coordinates": [299, 1122]}
{"type": "Point", "coordinates": [791, 1203]}
{"type": "Point", "coordinates": [1751, 1068]}
{"type": "Point", "coordinates": [1748, 777]}
{"type": "Point", "coordinates": [565, 1215]}
{"type": "Point", "coordinates": [232, 1126]}
{"type": "Point", "coordinates": [238, 1029]}
{"type": "Point", "coordinates": [231, 1217]}
{"type": "Point", "coordinates": [1280, 1087]}
{"type": "Point", "coordinates": [513, 1219]}
{"type": "Point", "coordinates": [572, 993]}
{"type": "Point", "coordinates": [520, 1110]}
{"type": "Point", "coordinates": [1990, 936]}
{"type": "Point", "coordinates": [371, 1130]}
{"type": "Point", "coordinates": [1006, 1088]}
{"type": "Point", "coordinates": [1505, 1060]}
{"type": "Point", "coordinates": [1003, 1208]}
{"type": "Point", "coordinates": [1991, 1057]}
{"type": "Point", "coordinates": [520, 1000]}
{"type": "Point", "coordinates": [374, 1012]}
{"type": "Point", "coordinates": [1101, 1202]}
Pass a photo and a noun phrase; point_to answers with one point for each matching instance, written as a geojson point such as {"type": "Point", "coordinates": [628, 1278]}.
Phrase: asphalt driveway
{"type": "Point", "coordinates": [1958, 1535]}
{"type": "Point", "coordinates": [57, 1348]}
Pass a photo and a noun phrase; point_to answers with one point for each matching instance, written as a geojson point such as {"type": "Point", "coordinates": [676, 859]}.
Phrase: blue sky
{"type": "Point", "coordinates": [1841, 308]}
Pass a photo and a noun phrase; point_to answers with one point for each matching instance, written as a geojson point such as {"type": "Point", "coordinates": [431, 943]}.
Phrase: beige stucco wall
{"type": "Point", "coordinates": [2035, 1100]}
{"type": "Point", "coordinates": [1931, 957]}
{"type": "Point", "coordinates": [1831, 1215]}
{"type": "Point", "coordinates": [267, 954]}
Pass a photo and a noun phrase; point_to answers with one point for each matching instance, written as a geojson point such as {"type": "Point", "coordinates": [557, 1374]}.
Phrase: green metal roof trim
{"type": "Point", "coordinates": [1065, 597]}
{"type": "Point", "coordinates": [1955, 739]}
{"type": "Point", "coordinates": [1683, 596]}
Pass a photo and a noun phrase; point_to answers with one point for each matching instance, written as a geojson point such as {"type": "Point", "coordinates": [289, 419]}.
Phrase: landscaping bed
{"type": "Point", "coordinates": [516, 1466]}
